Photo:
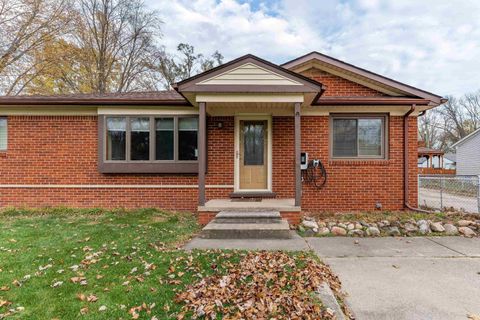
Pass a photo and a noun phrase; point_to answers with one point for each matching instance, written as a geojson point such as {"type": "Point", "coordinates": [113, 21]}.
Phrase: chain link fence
{"type": "Point", "coordinates": [460, 193]}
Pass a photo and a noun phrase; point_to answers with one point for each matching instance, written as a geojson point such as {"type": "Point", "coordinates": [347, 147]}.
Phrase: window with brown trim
{"type": "Point", "coordinates": [148, 144]}
{"type": "Point", "coordinates": [358, 136]}
{"type": "Point", "coordinates": [3, 134]}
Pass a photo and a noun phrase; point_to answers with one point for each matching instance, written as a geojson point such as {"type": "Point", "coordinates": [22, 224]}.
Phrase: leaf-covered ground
{"type": "Point", "coordinates": [96, 264]}
{"type": "Point", "coordinates": [264, 285]}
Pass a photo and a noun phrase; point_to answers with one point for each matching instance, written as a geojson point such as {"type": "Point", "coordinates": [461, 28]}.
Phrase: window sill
{"type": "Point", "coordinates": [359, 162]}
{"type": "Point", "coordinates": [148, 168]}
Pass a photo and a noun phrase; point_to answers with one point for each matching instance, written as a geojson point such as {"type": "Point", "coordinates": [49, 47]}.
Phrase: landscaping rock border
{"type": "Point", "coordinates": [411, 227]}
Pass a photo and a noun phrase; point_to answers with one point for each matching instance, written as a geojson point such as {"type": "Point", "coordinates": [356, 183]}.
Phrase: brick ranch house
{"type": "Point", "coordinates": [237, 130]}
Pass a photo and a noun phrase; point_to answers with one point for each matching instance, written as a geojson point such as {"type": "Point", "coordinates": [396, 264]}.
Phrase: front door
{"type": "Point", "coordinates": [253, 154]}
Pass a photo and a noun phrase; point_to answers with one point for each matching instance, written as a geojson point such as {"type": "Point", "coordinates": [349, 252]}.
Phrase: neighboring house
{"type": "Point", "coordinates": [468, 154]}
{"type": "Point", "coordinates": [450, 161]}
{"type": "Point", "coordinates": [237, 130]}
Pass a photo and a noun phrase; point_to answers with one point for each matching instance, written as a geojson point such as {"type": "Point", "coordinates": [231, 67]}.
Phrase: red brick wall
{"type": "Point", "coordinates": [62, 150]}
{"type": "Point", "coordinates": [283, 157]}
{"type": "Point", "coordinates": [337, 86]}
{"type": "Point", "coordinates": [359, 185]}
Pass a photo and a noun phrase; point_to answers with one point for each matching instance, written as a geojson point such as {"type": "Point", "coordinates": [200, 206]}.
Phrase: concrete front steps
{"type": "Point", "coordinates": [247, 225]}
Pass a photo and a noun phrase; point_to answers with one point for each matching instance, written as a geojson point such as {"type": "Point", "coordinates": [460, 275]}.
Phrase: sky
{"type": "Point", "coordinates": [430, 44]}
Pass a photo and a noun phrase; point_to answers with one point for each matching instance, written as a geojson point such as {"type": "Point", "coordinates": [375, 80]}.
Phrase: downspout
{"type": "Point", "coordinates": [405, 161]}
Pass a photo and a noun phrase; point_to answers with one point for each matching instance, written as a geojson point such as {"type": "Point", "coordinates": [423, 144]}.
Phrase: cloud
{"type": "Point", "coordinates": [431, 44]}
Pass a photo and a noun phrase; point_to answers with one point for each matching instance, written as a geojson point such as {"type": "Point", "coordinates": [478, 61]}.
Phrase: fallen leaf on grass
{"type": "Point", "coordinates": [92, 298]}
{"type": "Point", "coordinates": [81, 280]}
{"type": "Point", "coordinates": [57, 284]}
{"type": "Point", "coordinates": [4, 288]}
{"type": "Point", "coordinates": [5, 303]}
{"type": "Point", "coordinates": [84, 311]}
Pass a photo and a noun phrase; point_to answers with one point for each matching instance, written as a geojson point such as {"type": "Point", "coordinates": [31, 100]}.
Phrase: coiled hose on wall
{"type": "Point", "coordinates": [316, 174]}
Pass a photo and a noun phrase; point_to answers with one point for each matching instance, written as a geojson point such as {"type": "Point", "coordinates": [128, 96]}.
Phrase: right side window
{"type": "Point", "coordinates": [3, 134]}
{"type": "Point", "coordinates": [358, 137]}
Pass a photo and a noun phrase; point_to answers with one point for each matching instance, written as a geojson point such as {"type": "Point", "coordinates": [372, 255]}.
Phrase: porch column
{"type": "Point", "coordinates": [202, 152]}
{"type": "Point", "coordinates": [298, 146]}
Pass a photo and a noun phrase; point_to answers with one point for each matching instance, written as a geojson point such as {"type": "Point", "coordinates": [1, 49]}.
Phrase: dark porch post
{"type": "Point", "coordinates": [202, 152]}
{"type": "Point", "coordinates": [298, 173]}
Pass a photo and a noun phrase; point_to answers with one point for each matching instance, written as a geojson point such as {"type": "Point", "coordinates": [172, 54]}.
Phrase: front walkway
{"type": "Point", "coordinates": [296, 243]}
{"type": "Point", "coordinates": [406, 278]}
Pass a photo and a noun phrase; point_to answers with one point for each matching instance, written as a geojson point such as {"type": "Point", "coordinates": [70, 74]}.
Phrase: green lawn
{"type": "Point", "coordinates": [124, 258]}
{"type": "Point", "coordinates": [96, 264]}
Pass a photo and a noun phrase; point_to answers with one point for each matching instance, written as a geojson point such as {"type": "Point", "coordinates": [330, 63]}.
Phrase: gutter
{"type": "Point", "coordinates": [405, 161]}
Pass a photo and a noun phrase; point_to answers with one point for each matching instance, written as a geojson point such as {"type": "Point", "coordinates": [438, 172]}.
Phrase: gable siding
{"type": "Point", "coordinates": [249, 74]}
{"type": "Point", "coordinates": [340, 87]}
{"type": "Point", "coordinates": [468, 156]}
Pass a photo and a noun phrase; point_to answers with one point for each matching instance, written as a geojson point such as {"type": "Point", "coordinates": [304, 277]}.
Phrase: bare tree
{"type": "Point", "coordinates": [174, 68]}
{"type": "Point", "coordinates": [445, 125]}
{"type": "Point", "coordinates": [25, 26]}
{"type": "Point", "coordinates": [470, 102]}
{"type": "Point", "coordinates": [430, 129]}
{"type": "Point", "coordinates": [119, 39]}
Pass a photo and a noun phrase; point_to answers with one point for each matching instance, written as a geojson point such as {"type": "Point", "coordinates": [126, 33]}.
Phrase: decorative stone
{"type": "Point", "coordinates": [394, 231]}
{"type": "Point", "coordinates": [409, 227]}
{"type": "Point", "coordinates": [380, 224]}
{"type": "Point", "coordinates": [342, 225]}
{"type": "Point", "coordinates": [323, 231]}
{"type": "Point", "coordinates": [356, 233]}
{"type": "Point", "coordinates": [309, 224]}
{"type": "Point", "coordinates": [350, 226]}
{"type": "Point", "coordinates": [467, 232]}
{"type": "Point", "coordinates": [424, 228]}
{"type": "Point", "coordinates": [464, 223]}
{"type": "Point", "coordinates": [309, 233]}
{"type": "Point", "coordinates": [437, 227]}
{"type": "Point", "coordinates": [315, 230]}
{"type": "Point", "coordinates": [363, 223]}
{"type": "Point", "coordinates": [321, 224]}
{"type": "Point", "coordinates": [331, 224]}
{"type": "Point", "coordinates": [358, 226]}
{"type": "Point", "coordinates": [395, 224]}
{"type": "Point", "coordinates": [338, 231]}
{"type": "Point", "coordinates": [450, 229]}
{"type": "Point", "coordinates": [373, 231]}
{"type": "Point", "coordinates": [386, 223]}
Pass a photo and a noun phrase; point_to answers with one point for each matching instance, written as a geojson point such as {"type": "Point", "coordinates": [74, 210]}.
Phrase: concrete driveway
{"type": "Point", "coordinates": [406, 278]}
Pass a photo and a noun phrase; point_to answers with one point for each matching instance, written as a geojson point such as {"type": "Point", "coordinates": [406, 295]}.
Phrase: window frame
{"type": "Point", "coordinates": [384, 139]}
{"type": "Point", "coordinates": [143, 166]}
{"type": "Point", "coordinates": [6, 129]}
